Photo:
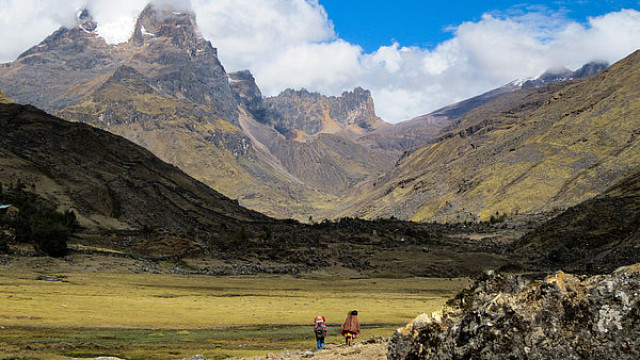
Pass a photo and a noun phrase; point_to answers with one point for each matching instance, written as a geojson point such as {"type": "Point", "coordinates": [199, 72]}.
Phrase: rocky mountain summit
{"type": "Point", "coordinates": [502, 317]}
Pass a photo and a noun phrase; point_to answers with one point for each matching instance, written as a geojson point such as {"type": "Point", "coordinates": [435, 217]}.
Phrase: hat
{"type": "Point", "coordinates": [320, 319]}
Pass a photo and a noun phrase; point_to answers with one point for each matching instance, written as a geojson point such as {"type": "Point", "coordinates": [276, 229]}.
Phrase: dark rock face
{"type": "Point", "coordinates": [86, 21]}
{"type": "Point", "coordinates": [590, 69]}
{"type": "Point", "coordinates": [247, 93]}
{"type": "Point", "coordinates": [562, 317]}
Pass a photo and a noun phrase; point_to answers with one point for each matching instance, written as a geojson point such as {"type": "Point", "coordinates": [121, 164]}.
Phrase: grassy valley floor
{"type": "Point", "coordinates": [58, 311]}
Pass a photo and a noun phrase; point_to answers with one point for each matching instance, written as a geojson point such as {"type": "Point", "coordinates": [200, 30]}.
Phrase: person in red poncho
{"type": "Point", "coordinates": [351, 327]}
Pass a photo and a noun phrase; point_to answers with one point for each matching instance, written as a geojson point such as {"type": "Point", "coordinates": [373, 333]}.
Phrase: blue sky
{"type": "Point", "coordinates": [426, 24]}
{"type": "Point", "coordinates": [414, 56]}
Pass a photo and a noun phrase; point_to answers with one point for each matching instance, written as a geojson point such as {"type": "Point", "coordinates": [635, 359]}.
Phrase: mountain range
{"type": "Point", "coordinates": [295, 155]}
{"type": "Point", "coordinates": [540, 146]}
{"type": "Point", "coordinates": [165, 89]}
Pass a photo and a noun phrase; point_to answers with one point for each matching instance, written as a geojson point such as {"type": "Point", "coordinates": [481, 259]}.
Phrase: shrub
{"type": "Point", "coordinates": [50, 236]}
{"type": "Point", "coordinates": [498, 219]}
{"type": "Point", "coordinates": [39, 224]}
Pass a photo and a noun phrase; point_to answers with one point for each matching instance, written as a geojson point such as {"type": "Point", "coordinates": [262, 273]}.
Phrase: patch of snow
{"type": "Point", "coordinates": [145, 32]}
{"type": "Point", "coordinates": [519, 82]}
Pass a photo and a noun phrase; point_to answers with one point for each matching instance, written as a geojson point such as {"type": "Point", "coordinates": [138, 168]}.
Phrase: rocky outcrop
{"type": "Point", "coordinates": [562, 317]}
{"type": "Point", "coordinates": [179, 61]}
{"type": "Point", "coordinates": [309, 113]}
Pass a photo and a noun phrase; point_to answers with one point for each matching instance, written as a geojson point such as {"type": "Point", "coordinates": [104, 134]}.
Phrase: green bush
{"type": "Point", "coordinates": [498, 218]}
{"type": "Point", "coordinates": [50, 236]}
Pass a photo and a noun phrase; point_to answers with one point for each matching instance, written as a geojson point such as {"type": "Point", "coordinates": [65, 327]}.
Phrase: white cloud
{"type": "Point", "coordinates": [292, 43]}
{"type": "Point", "coordinates": [116, 18]}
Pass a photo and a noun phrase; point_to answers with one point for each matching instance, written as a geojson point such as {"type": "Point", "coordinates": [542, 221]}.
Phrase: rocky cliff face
{"type": "Point", "coordinates": [167, 47]}
{"type": "Point", "coordinates": [301, 114]}
{"type": "Point", "coordinates": [248, 94]}
{"type": "Point", "coordinates": [562, 317]}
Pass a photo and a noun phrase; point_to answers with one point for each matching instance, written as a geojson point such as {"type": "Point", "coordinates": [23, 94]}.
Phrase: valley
{"type": "Point", "coordinates": [159, 316]}
{"type": "Point", "coordinates": [155, 206]}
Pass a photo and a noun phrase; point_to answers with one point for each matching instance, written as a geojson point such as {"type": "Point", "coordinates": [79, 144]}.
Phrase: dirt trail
{"type": "Point", "coordinates": [370, 351]}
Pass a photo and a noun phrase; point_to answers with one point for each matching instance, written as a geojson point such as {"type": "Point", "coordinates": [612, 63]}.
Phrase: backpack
{"type": "Point", "coordinates": [320, 331]}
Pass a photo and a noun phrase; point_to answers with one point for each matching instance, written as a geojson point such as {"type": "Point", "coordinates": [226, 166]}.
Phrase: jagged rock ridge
{"type": "Point", "coordinates": [558, 75]}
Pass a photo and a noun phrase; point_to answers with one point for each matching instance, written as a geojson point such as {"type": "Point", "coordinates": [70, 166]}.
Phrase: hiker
{"type": "Point", "coordinates": [321, 331]}
{"type": "Point", "coordinates": [351, 327]}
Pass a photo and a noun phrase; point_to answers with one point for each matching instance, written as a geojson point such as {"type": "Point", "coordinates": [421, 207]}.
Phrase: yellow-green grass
{"type": "Point", "coordinates": [169, 316]}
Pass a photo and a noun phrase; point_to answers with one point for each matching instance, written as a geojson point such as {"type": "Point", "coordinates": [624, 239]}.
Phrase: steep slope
{"type": "Point", "coordinates": [557, 147]}
{"type": "Point", "coordinates": [108, 181]}
{"type": "Point", "coordinates": [411, 134]}
{"type": "Point", "coordinates": [595, 236]}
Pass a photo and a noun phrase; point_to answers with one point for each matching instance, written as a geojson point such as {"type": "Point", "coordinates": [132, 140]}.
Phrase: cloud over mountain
{"type": "Point", "coordinates": [293, 44]}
